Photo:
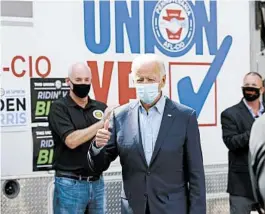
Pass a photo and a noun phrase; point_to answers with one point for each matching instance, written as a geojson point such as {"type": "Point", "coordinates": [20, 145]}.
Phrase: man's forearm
{"type": "Point", "coordinates": [239, 141]}
{"type": "Point", "coordinates": [81, 136]}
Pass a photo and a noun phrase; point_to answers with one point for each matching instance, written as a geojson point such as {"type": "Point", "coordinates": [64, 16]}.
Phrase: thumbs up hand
{"type": "Point", "coordinates": [103, 135]}
{"type": "Point", "coordinates": [106, 124]}
{"type": "Point", "coordinates": [108, 112]}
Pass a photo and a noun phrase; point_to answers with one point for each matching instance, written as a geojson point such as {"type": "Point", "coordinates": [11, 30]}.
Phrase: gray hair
{"type": "Point", "coordinates": [147, 58]}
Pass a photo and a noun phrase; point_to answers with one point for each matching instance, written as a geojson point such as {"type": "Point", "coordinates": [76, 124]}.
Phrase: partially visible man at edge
{"type": "Point", "coordinates": [257, 160]}
{"type": "Point", "coordinates": [236, 126]}
{"type": "Point", "coordinates": [74, 121]}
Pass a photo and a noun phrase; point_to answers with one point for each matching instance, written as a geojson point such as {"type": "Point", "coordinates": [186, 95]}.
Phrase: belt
{"type": "Point", "coordinates": [77, 177]}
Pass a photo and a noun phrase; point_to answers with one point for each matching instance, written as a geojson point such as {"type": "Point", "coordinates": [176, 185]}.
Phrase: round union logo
{"type": "Point", "coordinates": [98, 114]}
{"type": "Point", "coordinates": [58, 84]}
{"type": "Point", "coordinates": [173, 24]}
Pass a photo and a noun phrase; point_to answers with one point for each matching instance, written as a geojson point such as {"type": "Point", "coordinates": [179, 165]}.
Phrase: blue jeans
{"type": "Point", "coordinates": [73, 196]}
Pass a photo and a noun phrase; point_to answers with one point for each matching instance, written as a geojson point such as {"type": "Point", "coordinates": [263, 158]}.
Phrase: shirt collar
{"type": "Point", "coordinates": [71, 102]}
{"type": "Point", "coordinates": [159, 106]}
{"type": "Point", "coordinates": [261, 108]}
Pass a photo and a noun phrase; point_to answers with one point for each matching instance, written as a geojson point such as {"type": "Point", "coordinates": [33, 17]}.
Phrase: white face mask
{"type": "Point", "coordinates": [147, 92]}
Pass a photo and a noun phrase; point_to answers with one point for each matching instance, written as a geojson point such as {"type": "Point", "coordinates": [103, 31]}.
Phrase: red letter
{"type": "Point", "coordinates": [101, 93]}
{"type": "Point", "coordinates": [13, 66]}
{"type": "Point", "coordinates": [125, 93]}
{"type": "Point", "coordinates": [43, 75]}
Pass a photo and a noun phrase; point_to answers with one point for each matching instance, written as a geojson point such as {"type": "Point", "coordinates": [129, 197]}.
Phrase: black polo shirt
{"type": "Point", "coordinates": [66, 117]}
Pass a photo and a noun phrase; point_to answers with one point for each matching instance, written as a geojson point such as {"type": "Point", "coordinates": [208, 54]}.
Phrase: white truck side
{"type": "Point", "coordinates": [207, 46]}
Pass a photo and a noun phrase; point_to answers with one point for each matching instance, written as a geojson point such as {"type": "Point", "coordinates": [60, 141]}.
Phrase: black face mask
{"type": "Point", "coordinates": [81, 90]}
{"type": "Point", "coordinates": [251, 93]}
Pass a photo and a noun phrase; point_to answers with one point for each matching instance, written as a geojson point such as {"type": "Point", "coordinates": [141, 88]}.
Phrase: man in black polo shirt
{"type": "Point", "coordinates": [74, 121]}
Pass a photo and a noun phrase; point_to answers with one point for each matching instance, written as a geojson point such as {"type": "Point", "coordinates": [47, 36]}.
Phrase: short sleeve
{"type": "Point", "coordinates": [60, 121]}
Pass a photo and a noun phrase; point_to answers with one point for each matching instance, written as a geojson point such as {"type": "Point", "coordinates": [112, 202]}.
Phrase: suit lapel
{"type": "Point", "coordinates": [168, 117]}
{"type": "Point", "coordinates": [246, 112]}
{"type": "Point", "coordinates": [135, 128]}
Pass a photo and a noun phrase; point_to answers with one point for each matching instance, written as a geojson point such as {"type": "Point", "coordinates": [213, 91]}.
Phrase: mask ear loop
{"type": "Point", "coordinates": [72, 84]}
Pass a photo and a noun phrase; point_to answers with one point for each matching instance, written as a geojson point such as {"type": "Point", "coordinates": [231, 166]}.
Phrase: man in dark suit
{"type": "Point", "coordinates": [158, 143]}
{"type": "Point", "coordinates": [236, 125]}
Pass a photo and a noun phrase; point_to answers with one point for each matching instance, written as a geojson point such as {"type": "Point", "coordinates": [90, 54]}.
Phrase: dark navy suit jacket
{"type": "Point", "coordinates": [174, 182]}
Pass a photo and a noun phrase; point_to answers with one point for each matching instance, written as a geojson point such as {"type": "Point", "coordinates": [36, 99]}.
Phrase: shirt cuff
{"type": "Point", "coordinates": [95, 150]}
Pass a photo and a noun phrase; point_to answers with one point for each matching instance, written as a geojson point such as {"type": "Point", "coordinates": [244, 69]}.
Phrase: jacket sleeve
{"type": "Point", "coordinates": [231, 136]}
{"type": "Point", "coordinates": [99, 159]}
{"type": "Point", "coordinates": [195, 173]}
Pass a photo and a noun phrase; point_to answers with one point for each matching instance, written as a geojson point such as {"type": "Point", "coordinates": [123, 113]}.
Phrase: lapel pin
{"type": "Point", "coordinates": [169, 115]}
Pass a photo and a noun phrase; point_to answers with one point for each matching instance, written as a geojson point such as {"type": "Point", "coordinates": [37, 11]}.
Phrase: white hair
{"type": "Point", "coordinates": [147, 58]}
